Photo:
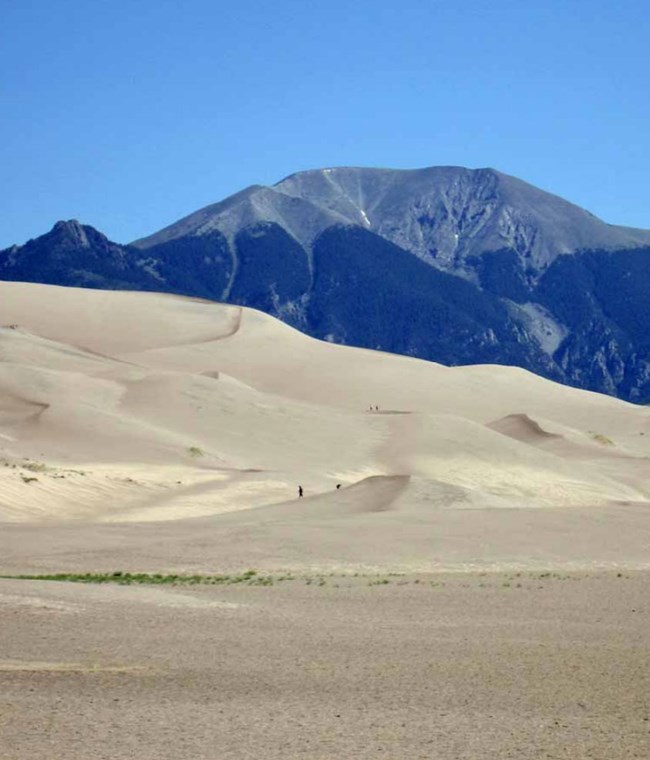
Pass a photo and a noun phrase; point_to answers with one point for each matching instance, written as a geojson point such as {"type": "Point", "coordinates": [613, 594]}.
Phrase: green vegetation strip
{"type": "Point", "coordinates": [250, 577]}
{"type": "Point", "coordinates": [254, 578]}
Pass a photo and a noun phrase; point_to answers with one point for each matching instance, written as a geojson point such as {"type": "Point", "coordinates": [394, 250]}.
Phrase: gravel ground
{"type": "Point", "coordinates": [460, 666]}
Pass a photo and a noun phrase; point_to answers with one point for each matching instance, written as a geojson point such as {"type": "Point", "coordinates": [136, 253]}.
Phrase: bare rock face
{"type": "Point", "coordinates": [71, 233]}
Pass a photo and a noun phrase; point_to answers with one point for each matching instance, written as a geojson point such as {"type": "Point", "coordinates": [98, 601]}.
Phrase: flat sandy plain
{"type": "Point", "coordinates": [477, 587]}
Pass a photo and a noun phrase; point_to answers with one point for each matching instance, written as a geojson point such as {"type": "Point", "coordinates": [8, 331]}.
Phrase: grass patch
{"type": "Point", "coordinates": [195, 452]}
{"type": "Point", "coordinates": [249, 577]}
{"type": "Point", "coordinates": [35, 466]}
{"type": "Point", "coordinates": [253, 577]}
{"type": "Point", "coordinates": [600, 438]}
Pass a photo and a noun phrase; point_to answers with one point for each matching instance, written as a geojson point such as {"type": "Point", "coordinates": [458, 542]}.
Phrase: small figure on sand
{"type": "Point", "coordinates": [338, 485]}
{"type": "Point", "coordinates": [300, 492]}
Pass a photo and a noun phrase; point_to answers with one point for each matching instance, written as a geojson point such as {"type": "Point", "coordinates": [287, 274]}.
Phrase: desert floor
{"type": "Point", "coordinates": [463, 666]}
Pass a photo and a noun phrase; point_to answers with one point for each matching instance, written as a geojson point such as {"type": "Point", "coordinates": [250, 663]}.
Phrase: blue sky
{"type": "Point", "coordinates": [129, 115]}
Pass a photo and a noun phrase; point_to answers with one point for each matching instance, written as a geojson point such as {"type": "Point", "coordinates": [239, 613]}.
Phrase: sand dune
{"type": "Point", "coordinates": [132, 407]}
{"type": "Point", "coordinates": [523, 428]}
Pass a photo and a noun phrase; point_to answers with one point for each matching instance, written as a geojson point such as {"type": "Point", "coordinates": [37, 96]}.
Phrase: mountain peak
{"type": "Point", "coordinates": [72, 232]}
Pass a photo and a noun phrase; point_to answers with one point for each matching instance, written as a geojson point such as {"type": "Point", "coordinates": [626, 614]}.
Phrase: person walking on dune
{"type": "Point", "coordinates": [300, 492]}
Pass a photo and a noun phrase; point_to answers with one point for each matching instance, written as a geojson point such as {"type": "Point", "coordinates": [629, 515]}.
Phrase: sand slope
{"type": "Point", "coordinates": [138, 407]}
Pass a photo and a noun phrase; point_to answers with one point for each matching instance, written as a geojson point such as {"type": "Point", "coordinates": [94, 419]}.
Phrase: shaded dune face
{"type": "Point", "coordinates": [142, 408]}
{"type": "Point", "coordinates": [523, 428]}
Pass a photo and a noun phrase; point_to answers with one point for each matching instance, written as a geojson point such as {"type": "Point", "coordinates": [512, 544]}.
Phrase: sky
{"type": "Point", "coordinates": [129, 115]}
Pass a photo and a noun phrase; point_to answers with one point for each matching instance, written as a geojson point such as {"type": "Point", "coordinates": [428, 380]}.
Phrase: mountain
{"type": "Point", "coordinates": [454, 265]}
{"type": "Point", "coordinates": [444, 215]}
